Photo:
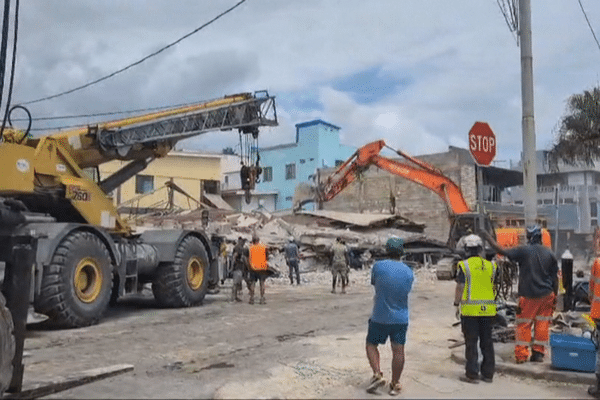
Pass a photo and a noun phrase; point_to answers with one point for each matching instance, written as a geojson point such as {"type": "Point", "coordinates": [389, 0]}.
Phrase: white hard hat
{"type": "Point", "coordinates": [473, 241]}
{"type": "Point", "coordinates": [291, 239]}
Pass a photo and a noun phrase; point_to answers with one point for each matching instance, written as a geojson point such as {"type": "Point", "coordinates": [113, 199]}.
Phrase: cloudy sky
{"type": "Point", "coordinates": [415, 73]}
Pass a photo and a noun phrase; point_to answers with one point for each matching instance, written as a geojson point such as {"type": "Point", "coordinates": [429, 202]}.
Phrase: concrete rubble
{"type": "Point", "coordinates": [315, 232]}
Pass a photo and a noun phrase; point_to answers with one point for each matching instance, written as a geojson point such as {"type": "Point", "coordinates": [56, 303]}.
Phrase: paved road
{"type": "Point", "coordinates": [305, 343]}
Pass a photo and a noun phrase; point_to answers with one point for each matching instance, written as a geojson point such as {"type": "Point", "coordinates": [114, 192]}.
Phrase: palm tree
{"type": "Point", "coordinates": [578, 139]}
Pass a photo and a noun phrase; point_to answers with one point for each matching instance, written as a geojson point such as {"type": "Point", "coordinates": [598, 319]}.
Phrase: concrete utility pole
{"type": "Point", "coordinates": [528, 122]}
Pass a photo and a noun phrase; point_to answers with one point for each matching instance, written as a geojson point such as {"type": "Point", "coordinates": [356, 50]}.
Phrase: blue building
{"type": "Point", "coordinates": [285, 166]}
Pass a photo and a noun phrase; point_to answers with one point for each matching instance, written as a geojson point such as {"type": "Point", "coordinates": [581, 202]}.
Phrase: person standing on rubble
{"type": "Point", "coordinates": [292, 259]}
{"type": "Point", "coordinates": [594, 297]}
{"type": "Point", "coordinates": [537, 289]}
{"type": "Point", "coordinates": [339, 264]}
{"type": "Point", "coordinates": [239, 258]}
{"type": "Point", "coordinates": [475, 295]}
{"type": "Point", "coordinates": [258, 268]}
{"type": "Point", "coordinates": [392, 280]}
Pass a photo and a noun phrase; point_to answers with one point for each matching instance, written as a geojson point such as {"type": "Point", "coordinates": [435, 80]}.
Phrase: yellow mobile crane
{"type": "Point", "coordinates": [66, 249]}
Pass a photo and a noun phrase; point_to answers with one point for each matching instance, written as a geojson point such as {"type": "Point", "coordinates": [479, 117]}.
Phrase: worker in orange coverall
{"type": "Point", "coordinates": [594, 294]}
{"type": "Point", "coordinates": [538, 287]}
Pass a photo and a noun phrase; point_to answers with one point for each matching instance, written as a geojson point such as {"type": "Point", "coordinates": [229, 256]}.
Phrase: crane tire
{"type": "Point", "coordinates": [183, 282]}
{"type": "Point", "coordinates": [7, 346]}
{"type": "Point", "coordinates": [76, 286]}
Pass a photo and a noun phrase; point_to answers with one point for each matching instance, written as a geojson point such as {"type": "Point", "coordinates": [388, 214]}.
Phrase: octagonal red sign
{"type": "Point", "coordinates": [482, 143]}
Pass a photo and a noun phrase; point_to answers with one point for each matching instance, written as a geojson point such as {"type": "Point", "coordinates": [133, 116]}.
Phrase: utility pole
{"type": "Point", "coordinates": [528, 122]}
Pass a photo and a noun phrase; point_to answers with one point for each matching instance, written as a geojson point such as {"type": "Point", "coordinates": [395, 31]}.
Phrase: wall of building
{"type": "Point", "coordinates": [317, 145]}
{"type": "Point", "coordinates": [189, 171]}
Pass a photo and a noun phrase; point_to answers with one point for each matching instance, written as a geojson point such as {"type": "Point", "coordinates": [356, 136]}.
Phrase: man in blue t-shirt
{"type": "Point", "coordinates": [393, 281]}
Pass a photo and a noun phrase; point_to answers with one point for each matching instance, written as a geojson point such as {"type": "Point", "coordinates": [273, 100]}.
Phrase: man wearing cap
{"type": "Point", "coordinates": [475, 295]}
{"type": "Point", "coordinates": [291, 259]}
{"type": "Point", "coordinates": [339, 264]}
{"type": "Point", "coordinates": [392, 280]}
{"type": "Point", "coordinates": [239, 267]}
{"type": "Point", "coordinates": [538, 287]}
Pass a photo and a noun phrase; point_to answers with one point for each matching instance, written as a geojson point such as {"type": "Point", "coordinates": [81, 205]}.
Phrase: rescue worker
{"type": "Point", "coordinates": [258, 268]}
{"type": "Point", "coordinates": [292, 260]}
{"type": "Point", "coordinates": [537, 290]}
{"type": "Point", "coordinates": [239, 260]}
{"type": "Point", "coordinates": [339, 264]}
{"type": "Point", "coordinates": [475, 295]}
{"type": "Point", "coordinates": [594, 296]}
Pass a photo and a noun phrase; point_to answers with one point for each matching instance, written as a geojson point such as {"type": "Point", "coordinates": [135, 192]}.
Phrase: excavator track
{"type": "Point", "coordinates": [7, 345]}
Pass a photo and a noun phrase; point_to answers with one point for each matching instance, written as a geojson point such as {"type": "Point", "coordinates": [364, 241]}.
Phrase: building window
{"type": "Point", "coordinates": [267, 174]}
{"type": "Point", "coordinates": [290, 171]}
{"type": "Point", "coordinates": [593, 213]}
{"type": "Point", "coordinates": [338, 162]}
{"type": "Point", "coordinates": [289, 198]}
{"type": "Point", "coordinates": [144, 184]}
{"type": "Point", "coordinates": [210, 186]}
{"type": "Point", "coordinates": [568, 200]}
{"type": "Point", "coordinates": [302, 161]}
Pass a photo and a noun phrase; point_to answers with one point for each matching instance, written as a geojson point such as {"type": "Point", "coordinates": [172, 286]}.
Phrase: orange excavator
{"type": "Point", "coordinates": [462, 219]}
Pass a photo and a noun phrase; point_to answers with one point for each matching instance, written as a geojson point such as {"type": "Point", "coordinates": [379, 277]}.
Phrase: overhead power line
{"type": "Point", "coordinates": [510, 11]}
{"type": "Point", "coordinates": [139, 61]}
{"type": "Point", "coordinates": [588, 22]}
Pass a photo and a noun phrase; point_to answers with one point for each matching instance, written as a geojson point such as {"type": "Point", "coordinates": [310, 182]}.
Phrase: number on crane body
{"type": "Point", "coordinates": [482, 143]}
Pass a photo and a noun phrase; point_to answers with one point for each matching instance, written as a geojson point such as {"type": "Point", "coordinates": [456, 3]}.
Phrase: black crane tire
{"type": "Point", "coordinates": [183, 282]}
{"type": "Point", "coordinates": [76, 286]}
{"type": "Point", "coordinates": [7, 346]}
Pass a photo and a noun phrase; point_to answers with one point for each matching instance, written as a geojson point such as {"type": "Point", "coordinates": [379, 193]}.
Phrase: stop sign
{"type": "Point", "coordinates": [482, 143]}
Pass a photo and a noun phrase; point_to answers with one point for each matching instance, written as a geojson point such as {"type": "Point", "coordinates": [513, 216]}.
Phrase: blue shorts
{"type": "Point", "coordinates": [378, 333]}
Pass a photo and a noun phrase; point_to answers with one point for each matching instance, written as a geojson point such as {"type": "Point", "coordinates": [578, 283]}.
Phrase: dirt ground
{"type": "Point", "coordinates": [304, 343]}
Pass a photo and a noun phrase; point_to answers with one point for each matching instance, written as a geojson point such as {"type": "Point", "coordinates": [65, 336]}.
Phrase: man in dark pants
{"type": "Point", "coordinates": [291, 259]}
{"type": "Point", "coordinates": [475, 296]}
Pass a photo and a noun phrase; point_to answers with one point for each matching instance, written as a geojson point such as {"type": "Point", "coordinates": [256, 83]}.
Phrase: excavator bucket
{"type": "Point", "coordinates": [305, 193]}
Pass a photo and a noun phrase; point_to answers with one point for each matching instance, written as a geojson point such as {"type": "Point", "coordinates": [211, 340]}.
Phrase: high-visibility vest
{"type": "Point", "coordinates": [478, 299]}
{"type": "Point", "coordinates": [594, 289]}
{"type": "Point", "coordinates": [258, 257]}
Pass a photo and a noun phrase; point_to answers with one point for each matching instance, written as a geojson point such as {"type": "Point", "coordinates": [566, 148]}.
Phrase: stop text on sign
{"type": "Point", "coordinates": [482, 143]}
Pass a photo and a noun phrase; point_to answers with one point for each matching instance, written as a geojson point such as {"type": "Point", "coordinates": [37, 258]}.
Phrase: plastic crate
{"type": "Point", "coordinates": [573, 353]}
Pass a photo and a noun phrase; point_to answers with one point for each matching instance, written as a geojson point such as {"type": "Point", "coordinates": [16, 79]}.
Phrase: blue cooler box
{"type": "Point", "coordinates": [573, 352]}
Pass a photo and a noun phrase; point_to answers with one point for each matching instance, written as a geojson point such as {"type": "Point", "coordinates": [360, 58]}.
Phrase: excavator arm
{"type": "Point", "coordinates": [414, 170]}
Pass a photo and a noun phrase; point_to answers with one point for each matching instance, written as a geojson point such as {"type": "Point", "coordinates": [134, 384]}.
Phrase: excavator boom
{"type": "Point", "coordinates": [416, 171]}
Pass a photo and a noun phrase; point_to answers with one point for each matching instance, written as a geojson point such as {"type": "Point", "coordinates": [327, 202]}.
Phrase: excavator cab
{"type": "Point", "coordinates": [467, 223]}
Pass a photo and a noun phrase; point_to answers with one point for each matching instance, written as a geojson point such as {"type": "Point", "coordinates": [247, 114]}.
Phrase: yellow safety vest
{"type": "Point", "coordinates": [478, 299]}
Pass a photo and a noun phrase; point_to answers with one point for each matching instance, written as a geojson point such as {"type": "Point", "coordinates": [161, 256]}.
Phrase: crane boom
{"type": "Point", "coordinates": [47, 174]}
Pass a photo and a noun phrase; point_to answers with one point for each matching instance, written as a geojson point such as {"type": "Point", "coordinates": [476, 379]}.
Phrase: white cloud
{"type": "Point", "coordinates": [459, 59]}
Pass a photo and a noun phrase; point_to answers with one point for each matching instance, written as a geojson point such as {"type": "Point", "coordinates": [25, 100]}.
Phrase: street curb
{"type": "Point", "coordinates": [536, 371]}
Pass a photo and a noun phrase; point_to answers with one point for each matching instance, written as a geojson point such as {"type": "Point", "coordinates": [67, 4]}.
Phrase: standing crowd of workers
{"type": "Point", "coordinates": [249, 263]}
{"type": "Point", "coordinates": [474, 298]}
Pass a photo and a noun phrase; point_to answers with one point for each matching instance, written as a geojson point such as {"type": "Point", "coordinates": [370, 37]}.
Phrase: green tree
{"type": "Point", "coordinates": [578, 138]}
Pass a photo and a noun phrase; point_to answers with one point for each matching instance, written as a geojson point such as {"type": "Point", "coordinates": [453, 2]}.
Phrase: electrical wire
{"type": "Point", "coordinates": [137, 62]}
{"type": "Point", "coordinates": [103, 114]}
{"type": "Point", "coordinates": [4, 44]}
{"type": "Point", "coordinates": [12, 78]}
{"type": "Point", "coordinates": [588, 22]}
{"type": "Point", "coordinates": [510, 11]}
